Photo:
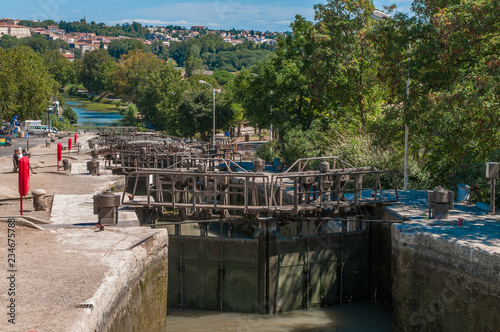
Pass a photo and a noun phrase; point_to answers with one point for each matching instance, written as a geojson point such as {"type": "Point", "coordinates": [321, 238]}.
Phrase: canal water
{"type": "Point", "coordinates": [354, 317]}
{"type": "Point", "coordinates": [92, 113]}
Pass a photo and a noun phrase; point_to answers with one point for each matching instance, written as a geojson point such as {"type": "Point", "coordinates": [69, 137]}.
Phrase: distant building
{"type": "Point", "coordinates": [69, 56]}
{"type": "Point", "coordinates": [8, 21]}
{"type": "Point", "coordinates": [14, 30]}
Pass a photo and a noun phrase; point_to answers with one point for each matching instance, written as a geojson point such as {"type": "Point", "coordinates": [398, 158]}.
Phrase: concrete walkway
{"type": "Point", "coordinates": [79, 209]}
{"type": "Point", "coordinates": [479, 231]}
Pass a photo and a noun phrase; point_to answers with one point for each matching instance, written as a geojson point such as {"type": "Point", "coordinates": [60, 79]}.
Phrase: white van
{"type": "Point", "coordinates": [40, 130]}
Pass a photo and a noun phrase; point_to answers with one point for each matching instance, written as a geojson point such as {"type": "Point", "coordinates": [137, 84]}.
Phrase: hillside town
{"type": "Point", "coordinates": [89, 41]}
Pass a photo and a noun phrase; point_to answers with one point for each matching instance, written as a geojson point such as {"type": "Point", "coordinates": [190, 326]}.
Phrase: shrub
{"type": "Point", "coordinates": [70, 115]}
{"type": "Point", "coordinates": [73, 89]}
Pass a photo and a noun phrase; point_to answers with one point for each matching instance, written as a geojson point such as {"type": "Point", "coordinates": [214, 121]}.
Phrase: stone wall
{"type": "Point", "coordinates": [133, 295]}
{"type": "Point", "coordinates": [144, 306]}
{"type": "Point", "coordinates": [441, 285]}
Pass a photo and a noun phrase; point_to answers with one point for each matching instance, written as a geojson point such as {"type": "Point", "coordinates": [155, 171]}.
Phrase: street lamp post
{"type": "Point", "coordinates": [213, 92]}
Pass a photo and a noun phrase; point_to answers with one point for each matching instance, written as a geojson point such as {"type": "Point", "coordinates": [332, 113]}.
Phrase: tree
{"type": "Point", "coordinates": [195, 112]}
{"type": "Point", "coordinates": [26, 84]}
{"type": "Point", "coordinates": [223, 77]}
{"type": "Point", "coordinates": [94, 71]}
{"type": "Point", "coordinates": [453, 66]}
{"type": "Point", "coordinates": [130, 115]}
{"type": "Point", "coordinates": [132, 72]}
{"type": "Point", "coordinates": [343, 69]}
{"type": "Point", "coordinates": [158, 97]}
{"type": "Point", "coordinates": [61, 68]}
{"type": "Point", "coordinates": [70, 115]}
{"type": "Point", "coordinates": [119, 47]}
{"type": "Point", "coordinates": [193, 65]}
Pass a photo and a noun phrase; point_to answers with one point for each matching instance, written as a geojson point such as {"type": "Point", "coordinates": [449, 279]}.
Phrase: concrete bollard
{"type": "Point", "coordinates": [93, 167]}
{"type": "Point", "coordinates": [65, 164]}
{"type": "Point", "coordinates": [39, 202]}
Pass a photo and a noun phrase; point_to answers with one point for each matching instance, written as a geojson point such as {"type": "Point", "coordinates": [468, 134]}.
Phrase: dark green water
{"type": "Point", "coordinates": [355, 317]}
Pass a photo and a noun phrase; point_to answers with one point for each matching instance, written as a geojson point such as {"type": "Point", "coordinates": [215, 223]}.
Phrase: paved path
{"type": "Point", "coordinates": [480, 230]}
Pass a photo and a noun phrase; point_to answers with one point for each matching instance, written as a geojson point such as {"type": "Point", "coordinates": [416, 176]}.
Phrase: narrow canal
{"type": "Point", "coordinates": [91, 114]}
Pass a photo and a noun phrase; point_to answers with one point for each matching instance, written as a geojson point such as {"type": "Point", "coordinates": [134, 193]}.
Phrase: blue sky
{"type": "Point", "coordinates": [215, 14]}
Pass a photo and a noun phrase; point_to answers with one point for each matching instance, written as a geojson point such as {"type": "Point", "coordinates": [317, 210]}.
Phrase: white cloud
{"type": "Point", "coordinates": [227, 14]}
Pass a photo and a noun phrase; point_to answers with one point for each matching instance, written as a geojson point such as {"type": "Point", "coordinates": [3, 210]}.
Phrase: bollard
{"type": "Point", "coordinates": [106, 207]}
{"type": "Point", "coordinates": [201, 168]}
{"type": "Point", "coordinates": [440, 202]}
{"type": "Point", "coordinates": [93, 167]}
{"type": "Point", "coordinates": [324, 167]}
{"type": "Point", "coordinates": [47, 143]}
{"type": "Point", "coordinates": [258, 165]}
{"type": "Point", "coordinates": [39, 202]}
{"type": "Point", "coordinates": [65, 164]}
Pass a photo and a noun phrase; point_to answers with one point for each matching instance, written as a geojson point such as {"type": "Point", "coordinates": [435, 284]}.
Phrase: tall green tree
{"type": "Point", "coordinates": [453, 67]}
{"type": "Point", "coordinates": [132, 72]}
{"type": "Point", "coordinates": [26, 86]}
{"type": "Point", "coordinates": [95, 68]}
{"type": "Point", "coordinates": [343, 70]}
{"type": "Point", "coordinates": [193, 65]}
{"type": "Point", "coordinates": [119, 47]}
{"type": "Point", "coordinates": [195, 112]}
{"type": "Point", "coordinates": [61, 68]}
{"type": "Point", "coordinates": [158, 96]}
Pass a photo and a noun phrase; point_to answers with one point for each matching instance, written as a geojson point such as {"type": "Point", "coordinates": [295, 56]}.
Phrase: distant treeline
{"type": "Point", "coordinates": [135, 30]}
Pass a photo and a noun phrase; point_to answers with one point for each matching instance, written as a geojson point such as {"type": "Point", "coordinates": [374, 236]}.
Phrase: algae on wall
{"type": "Point", "coordinates": [144, 307]}
{"type": "Point", "coordinates": [441, 286]}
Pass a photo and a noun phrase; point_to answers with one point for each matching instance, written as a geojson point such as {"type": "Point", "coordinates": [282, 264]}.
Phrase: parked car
{"type": "Point", "coordinates": [40, 130]}
{"type": "Point", "coordinates": [5, 140]}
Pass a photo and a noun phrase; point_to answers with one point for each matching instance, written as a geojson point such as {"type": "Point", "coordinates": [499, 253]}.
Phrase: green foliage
{"type": "Point", "coordinates": [135, 30]}
{"type": "Point", "coordinates": [193, 64]}
{"type": "Point", "coordinates": [134, 70]}
{"type": "Point", "coordinates": [61, 68]}
{"type": "Point", "coordinates": [94, 71]}
{"type": "Point", "coordinates": [118, 47]}
{"type": "Point", "coordinates": [130, 115]}
{"type": "Point", "coordinates": [471, 171]}
{"type": "Point", "coordinates": [72, 90]}
{"type": "Point", "coordinates": [269, 151]}
{"type": "Point", "coordinates": [26, 85]}
{"type": "Point", "coordinates": [195, 110]}
{"type": "Point", "coordinates": [363, 151]}
{"type": "Point", "coordinates": [61, 124]}
{"type": "Point", "coordinates": [194, 81]}
{"type": "Point", "coordinates": [217, 54]}
{"type": "Point", "coordinates": [37, 43]}
{"type": "Point", "coordinates": [223, 77]}
{"type": "Point", "coordinates": [300, 143]}
{"type": "Point", "coordinates": [70, 115]}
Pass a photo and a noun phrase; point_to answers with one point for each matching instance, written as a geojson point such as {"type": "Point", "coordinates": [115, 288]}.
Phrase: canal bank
{"type": "Point", "coordinates": [445, 277]}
